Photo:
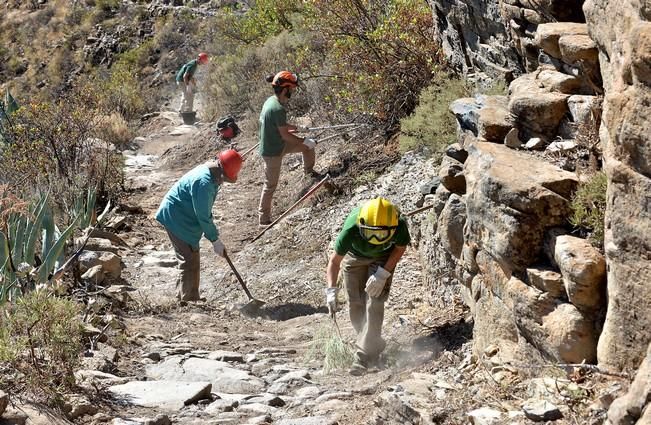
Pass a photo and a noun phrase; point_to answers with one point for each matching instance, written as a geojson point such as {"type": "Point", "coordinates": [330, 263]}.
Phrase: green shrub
{"type": "Point", "coordinates": [40, 344]}
{"type": "Point", "coordinates": [432, 125]}
{"type": "Point", "coordinates": [589, 206]}
{"type": "Point", "coordinates": [266, 19]}
{"type": "Point", "coordinates": [123, 89]}
{"type": "Point", "coordinates": [380, 53]}
{"type": "Point", "coordinates": [235, 83]}
{"type": "Point", "coordinates": [56, 148]}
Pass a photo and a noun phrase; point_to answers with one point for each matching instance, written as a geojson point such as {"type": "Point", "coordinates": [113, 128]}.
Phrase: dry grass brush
{"type": "Point", "coordinates": [329, 346]}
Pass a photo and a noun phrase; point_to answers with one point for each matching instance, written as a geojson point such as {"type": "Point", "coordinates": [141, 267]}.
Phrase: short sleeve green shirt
{"type": "Point", "coordinates": [350, 240]}
{"type": "Point", "coordinates": [272, 117]}
{"type": "Point", "coordinates": [189, 68]}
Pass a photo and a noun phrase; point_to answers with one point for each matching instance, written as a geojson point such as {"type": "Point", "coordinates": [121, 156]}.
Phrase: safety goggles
{"type": "Point", "coordinates": [379, 234]}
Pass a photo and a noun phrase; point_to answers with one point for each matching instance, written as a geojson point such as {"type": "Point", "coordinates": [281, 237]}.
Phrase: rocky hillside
{"type": "Point", "coordinates": [537, 290]}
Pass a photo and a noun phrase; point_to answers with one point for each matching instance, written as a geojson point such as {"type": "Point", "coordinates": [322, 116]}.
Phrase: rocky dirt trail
{"type": "Point", "coordinates": [207, 363]}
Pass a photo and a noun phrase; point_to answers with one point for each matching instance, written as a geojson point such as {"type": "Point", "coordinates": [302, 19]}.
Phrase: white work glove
{"type": "Point", "coordinates": [310, 143]}
{"type": "Point", "coordinates": [375, 283]}
{"type": "Point", "coordinates": [331, 300]}
{"type": "Point", "coordinates": [219, 248]}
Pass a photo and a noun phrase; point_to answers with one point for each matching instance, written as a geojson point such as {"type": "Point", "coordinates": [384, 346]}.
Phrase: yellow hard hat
{"type": "Point", "coordinates": [377, 221]}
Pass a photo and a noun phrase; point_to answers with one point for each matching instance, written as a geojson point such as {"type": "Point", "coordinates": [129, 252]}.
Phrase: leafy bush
{"type": "Point", "coordinates": [40, 343]}
{"type": "Point", "coordinates": [267, 19]}
{"type": "Point", "coordinates": [589, 206]}
{"type": "Point", "coordinates": [380, 53]}
{"type": "Point", "coordinates": [123, 89]}
{"type": "Point", "coordinates": [432, 125]}
{"type": "Point", "coordinates": [359, 57]}
{"type": "Point", "coordinates": [115, 129]}
{"type": "Point", "coordinates": [56, 148]}
{"type": "Point", "coordinates": [235, 84]}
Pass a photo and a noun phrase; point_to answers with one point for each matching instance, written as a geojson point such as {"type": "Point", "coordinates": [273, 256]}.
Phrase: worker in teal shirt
{"type": "Point", "coordinates": [186, 213]}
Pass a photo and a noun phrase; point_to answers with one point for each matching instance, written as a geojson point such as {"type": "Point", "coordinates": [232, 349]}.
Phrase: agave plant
{"type": "Point", "coordinates": [21, 269]}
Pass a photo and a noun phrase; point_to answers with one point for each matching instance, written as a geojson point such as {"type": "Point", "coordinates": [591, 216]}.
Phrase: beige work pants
{"type": "Point", "coordinates": [187, 285]}
{"type": "Point", "coordinates": [272, 166]}
{"type": "Point", "coordinates": [187, 101]}
{"type": "Point", "coordinates": [366, 313]}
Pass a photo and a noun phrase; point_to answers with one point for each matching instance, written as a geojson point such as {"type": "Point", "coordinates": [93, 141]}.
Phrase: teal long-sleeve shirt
{"type": "Point", "coordinates": [186, 210]}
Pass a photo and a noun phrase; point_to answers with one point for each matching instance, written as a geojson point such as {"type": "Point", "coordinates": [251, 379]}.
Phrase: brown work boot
{"type": "Point", "coordinates": [264, 221]}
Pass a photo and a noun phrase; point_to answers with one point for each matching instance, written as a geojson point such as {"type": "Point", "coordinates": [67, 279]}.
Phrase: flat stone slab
{"type": "Point", "coordinates": [226, 356]}
{"type": "Point", "coordinates": [167, 395]}
{"type": "Point", "coordinates": [224, 378]}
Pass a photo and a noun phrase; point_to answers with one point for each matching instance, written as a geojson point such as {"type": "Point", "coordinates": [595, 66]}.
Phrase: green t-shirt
{"type": "Point", "coordinates": [350, 240]}
{"type": "Point", "coordinates": [272, 117]}
{"type": "Point", "coordinates": [189, 68]}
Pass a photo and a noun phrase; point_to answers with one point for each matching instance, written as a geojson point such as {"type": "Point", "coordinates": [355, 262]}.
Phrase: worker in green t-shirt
{"type": "Point", "coordinates": [277, 139]}
{"type": "Point", "coordinates": [372, 241]}
{"type": "Point", "coordinates": [185, 80]}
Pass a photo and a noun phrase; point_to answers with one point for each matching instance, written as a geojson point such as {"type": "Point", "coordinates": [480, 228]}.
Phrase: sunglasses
{"type": "Point", "coordinates": [381, 234]}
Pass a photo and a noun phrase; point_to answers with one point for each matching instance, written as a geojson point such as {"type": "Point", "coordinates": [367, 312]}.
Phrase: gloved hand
{"type": "Point", "coordinates": [309, 142]}
{"type": "Point", "coordinates": [219, 248]}
{"type": "Point", "coordinates": [375, 283]}
{"type": "Point", "coordinates": [331, 300]}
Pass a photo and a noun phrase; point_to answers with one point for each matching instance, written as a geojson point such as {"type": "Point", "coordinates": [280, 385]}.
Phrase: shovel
{"type": "Point", "coordinates": [253, 305]}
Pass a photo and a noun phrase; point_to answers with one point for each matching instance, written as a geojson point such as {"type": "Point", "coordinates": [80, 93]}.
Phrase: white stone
{"type": "Point", "coordinates": [224, 378]}
{"type": "Point", "coordinates": [535, 143]}
{"type": "Point", "coordinates": [165, 395]}
{"type": "Point", "coordinates": [485, 416]}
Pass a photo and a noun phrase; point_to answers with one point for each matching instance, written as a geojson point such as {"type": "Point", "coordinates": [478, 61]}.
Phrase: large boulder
{"type": "Point", "coordinates": [451, 175]}
{"type": "Point", "coordinates": [487, 117]}
{"type": "Point", "coordinates": [557, 81]}
{"type": "Point", "coordinates": [578, 47]}
{"type": "Point", "coordinates": [512, 198]}
{"type": "Point", "coordinates": [450, 225]}
{"type": "Point", "coordinates": [622, 33]}
{"type": "Point", "coordinates": [111, 263]}
{"type": "Point", "coordinates": [583, 269]}
{"type": "Point", "coordinates": [548, 35]}
{"type": "Point", "coordinates": [539, 111]}
{"type": "Point", "coordinates": [571, 333]}
{"type": "Point", "coordinates": [495, 120]}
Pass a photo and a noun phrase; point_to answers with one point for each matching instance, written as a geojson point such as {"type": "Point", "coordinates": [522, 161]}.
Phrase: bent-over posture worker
{"type": "Point", "coordinates": [277, 139]}
{"type": "Point", "coordinates": [185, 80]}
{"type": "Point", "coordinates": [186, 213]}
{"type": "Point", "coordinates": [367, 250]}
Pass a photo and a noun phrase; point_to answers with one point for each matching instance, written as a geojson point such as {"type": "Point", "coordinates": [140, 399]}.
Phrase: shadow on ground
{"type": "Point", "coordinates": [288, 311]}
{"type": "Point", "coordinates": [447, 337]}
